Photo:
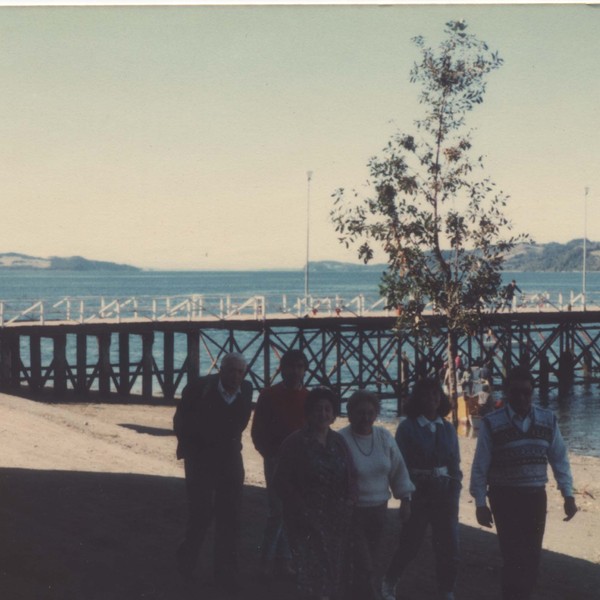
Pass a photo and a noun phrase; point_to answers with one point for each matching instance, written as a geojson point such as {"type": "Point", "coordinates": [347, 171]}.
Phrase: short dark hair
{"type": "Point", "coordinates": [290, 357]}
{"type": "Point", "coordinates": [320, 393]}
{"type": "Point", "coordinates": [519, 373]}
{"type": "Point", "coordinates": [413, 407]}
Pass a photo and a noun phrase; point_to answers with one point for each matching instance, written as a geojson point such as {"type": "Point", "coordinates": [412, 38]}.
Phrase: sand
{"type": "Point", "coordinates": [92, 507]}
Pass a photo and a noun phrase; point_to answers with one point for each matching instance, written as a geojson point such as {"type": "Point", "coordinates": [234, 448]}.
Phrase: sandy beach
{"type": "Point", "coordinates": [92, 507]}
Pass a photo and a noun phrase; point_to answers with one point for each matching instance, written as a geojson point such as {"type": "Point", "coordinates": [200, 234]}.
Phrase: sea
{"type": "Point", "coordinates": [578, 410]}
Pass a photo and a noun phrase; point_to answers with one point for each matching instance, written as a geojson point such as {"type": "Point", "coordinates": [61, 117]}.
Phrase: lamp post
{"type": "Point", "coordinates": [587, 189]}
{"type": "Point", "coordinates": [309, 175]}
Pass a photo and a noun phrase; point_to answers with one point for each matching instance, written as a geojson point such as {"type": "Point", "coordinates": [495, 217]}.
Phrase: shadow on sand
{"type": "Point", "coordinates": [155, 431]}
{"type": "Point", "coordinates": [97, 536]}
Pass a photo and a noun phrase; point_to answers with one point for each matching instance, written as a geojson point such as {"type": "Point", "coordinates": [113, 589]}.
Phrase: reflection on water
{"type": "Point", "coordinates": [577, 410]}
{"type": "Point", "coordinates": [578, 413]}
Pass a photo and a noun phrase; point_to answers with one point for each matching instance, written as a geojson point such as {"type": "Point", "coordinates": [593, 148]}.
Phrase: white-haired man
{"type": "Point", "coordinates": [213, 412]}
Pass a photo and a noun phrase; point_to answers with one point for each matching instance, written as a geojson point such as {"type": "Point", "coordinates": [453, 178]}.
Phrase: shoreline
{"type": "Point", "coordinates": [88, 485]}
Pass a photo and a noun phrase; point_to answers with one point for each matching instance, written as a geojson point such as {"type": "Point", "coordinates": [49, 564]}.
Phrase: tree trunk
{"type": "Point", "coordinates": [452, 382]}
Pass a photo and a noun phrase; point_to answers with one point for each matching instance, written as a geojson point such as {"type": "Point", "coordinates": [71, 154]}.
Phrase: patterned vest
{"type": "Point", "coordinates": [520, 459]}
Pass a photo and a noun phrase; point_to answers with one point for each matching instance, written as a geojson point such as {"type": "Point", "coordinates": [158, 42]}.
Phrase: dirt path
{"type": "Point", "coordinates": [92, 506]}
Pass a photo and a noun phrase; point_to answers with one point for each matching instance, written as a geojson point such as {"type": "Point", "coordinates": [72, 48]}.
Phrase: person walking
{"type": "Point", "coordinates": [279, 412]}
{"type": "Point", "coordinates": [379, 468]}
{"type": "Point", "coordinates": [429, 445]}
{"type": "Point", "coordinates": [314, 477]}
{"type": "Point", "coordinates": [209, 421]}
{"type": "Point", "coordinates": [514, 446]}
{"type": "Point", "coordinates": [509, 294]}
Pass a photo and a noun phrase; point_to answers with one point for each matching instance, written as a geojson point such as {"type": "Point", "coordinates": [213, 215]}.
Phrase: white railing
{"type": "Point", "coordinates": [37, 306]}
{"type": "Point", "coordinates": [198, 306]}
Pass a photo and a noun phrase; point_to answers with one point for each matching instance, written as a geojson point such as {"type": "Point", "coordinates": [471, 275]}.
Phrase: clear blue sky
{"type": "Point", "coordinates": [180, 137]}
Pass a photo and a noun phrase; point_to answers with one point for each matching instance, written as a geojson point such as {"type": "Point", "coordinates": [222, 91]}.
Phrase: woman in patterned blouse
{"type": "Point", "coordinates": [314, 478]}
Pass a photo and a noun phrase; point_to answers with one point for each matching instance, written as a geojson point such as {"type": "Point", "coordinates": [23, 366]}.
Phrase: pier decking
{"type": "Point", "coordinates": [151, 355]}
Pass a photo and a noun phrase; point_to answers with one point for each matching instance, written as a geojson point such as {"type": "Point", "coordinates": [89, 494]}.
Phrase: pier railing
{"type": "Point", "coordinates": [152, 346]}
{"type": "Point", "coordinates": [143, 308]}
{"type": "Point", "coordinates": [198, 306]}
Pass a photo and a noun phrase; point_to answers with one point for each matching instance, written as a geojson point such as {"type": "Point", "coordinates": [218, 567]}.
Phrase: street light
{"type": "Point", "coordinates": [587, 189]}
{"type": "Point", "coordinates": [309, 175]}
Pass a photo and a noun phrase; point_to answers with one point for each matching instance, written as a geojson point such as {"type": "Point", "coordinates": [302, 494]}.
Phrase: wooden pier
{"type": "Point", "coordinates": [135, 358]}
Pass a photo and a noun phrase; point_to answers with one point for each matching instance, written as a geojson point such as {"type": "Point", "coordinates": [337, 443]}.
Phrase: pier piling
{"type": "Point", "coordinates": [155, 359]}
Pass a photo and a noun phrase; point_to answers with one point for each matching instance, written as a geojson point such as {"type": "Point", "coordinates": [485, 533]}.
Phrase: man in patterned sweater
{"type": "Point", "coordinates": [514, 446]}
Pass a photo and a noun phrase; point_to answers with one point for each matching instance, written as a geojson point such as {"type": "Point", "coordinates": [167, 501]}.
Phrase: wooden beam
{"type": "Point", "coordinates": [104, 366]}
{"type": "Point", "coordinates": [35, 362]}
{"type": "Point", "coordinates": [147, 369]}
{"type": "Point", "coordinates": [193, 351]}
{"type": "Point", "coordinates": [60, 364]}
{"type": "Point", "coordinates": [124, 362]}
{"type": "Point", "coordinates": [81, 364]}
{"type": "Point", "coordinates": [168, 365]}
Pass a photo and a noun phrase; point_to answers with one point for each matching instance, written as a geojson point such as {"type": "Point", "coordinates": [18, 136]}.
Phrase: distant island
{"type": "Point", "coordinates": [13, 260]}
{"type": "Point", "coordinates": [523, 257]}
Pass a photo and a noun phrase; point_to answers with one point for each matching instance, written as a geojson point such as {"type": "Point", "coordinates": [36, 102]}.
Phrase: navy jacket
{"type": "Point", "coordinates": [204, 422]}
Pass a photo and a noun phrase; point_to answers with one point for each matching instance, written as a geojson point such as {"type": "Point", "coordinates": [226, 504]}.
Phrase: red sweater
{"type": "Point", "coordinates": [279, 412]}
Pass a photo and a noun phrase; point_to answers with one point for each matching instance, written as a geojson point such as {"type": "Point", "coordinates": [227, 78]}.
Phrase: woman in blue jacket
{"type": "Point", "coordinates": [429, 445]}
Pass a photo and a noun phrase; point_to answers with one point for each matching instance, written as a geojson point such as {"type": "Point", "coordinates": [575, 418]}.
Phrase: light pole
{"type": "Point", "coordinates": [587, 189]}
{"type": "Point", "coordinates": [309, 175]}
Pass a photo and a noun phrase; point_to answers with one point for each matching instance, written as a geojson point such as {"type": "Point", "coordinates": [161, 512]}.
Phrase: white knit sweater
{"type": "Point", "coordinates": [379, 466]}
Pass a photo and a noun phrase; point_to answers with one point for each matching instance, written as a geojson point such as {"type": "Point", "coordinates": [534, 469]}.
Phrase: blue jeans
{"type": "Point", "coordinates": [275, 544]}
{"type": "Point", "coordinates": [443, 518]}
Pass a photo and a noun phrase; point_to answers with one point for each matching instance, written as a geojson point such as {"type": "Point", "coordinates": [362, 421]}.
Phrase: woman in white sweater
{"type": "Point", "coordinates": [379, 468]}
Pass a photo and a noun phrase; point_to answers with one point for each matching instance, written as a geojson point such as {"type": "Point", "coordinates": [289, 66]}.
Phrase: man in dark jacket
{"type": "Point", "coordinates": [509, 294]}
{"type": "Point", "coordinates": [213, 412]}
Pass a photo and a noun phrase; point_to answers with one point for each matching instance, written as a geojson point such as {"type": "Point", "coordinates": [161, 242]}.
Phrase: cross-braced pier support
{"type": "Point", "coordinates": [153, 360]}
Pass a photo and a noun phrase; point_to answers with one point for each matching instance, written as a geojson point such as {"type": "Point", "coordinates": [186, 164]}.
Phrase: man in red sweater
{"type": "Point", "coordinates": [279, 412]}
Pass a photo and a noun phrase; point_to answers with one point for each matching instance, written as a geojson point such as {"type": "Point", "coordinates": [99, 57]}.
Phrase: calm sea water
{"type": "Point", "coordinates": [578, 411]}
{"type": "Point", "coordinates": [272, 284]}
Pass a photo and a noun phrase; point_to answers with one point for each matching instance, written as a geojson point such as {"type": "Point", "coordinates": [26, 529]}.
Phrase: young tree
{"type": "Point", "coordinates": [428, 204]}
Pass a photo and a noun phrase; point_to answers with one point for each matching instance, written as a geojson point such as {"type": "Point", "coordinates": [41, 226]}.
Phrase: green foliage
{"type": "Point", "coordinates": [429, 205]}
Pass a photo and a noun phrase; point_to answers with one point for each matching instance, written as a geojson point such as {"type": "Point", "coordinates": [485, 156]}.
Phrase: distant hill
{"type": "Point", "coordinates": [554, 257]}
{"type": "Point", "coordinates": [523, 257]}
{"type": "Point", "coordinates": [13, 260]}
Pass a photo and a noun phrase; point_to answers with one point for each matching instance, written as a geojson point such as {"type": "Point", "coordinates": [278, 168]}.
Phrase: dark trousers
{"type": "Point", "coordinates": [275, 544]}
{"type": "Point", "coordinates": [214, 487]}
{"type": "Point", "coordinates": [367, 530]}
{"type": "Point", "coordinates": [443, 518]}
{"type": "Point", "coordinates": [520, 517]}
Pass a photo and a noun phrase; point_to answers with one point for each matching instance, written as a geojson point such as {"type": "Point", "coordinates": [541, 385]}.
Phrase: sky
{"type": "Point", "coordinates": [179, 137]}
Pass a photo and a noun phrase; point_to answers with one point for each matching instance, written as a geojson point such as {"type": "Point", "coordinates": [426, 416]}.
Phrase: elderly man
{"type": "Point", "coordinates": [209, 421]}
{"type": "Point", "coordinates": [514, 446]}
